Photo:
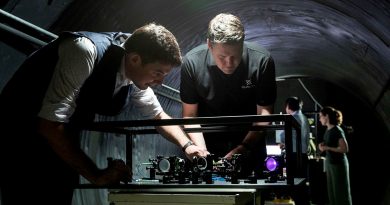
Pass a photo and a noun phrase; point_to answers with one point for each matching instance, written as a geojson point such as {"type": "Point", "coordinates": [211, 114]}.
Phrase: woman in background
{"type": "Point", "coordinates": [336, 164]}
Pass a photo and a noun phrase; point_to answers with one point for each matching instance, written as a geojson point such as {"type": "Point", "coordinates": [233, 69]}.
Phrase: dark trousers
{"type": "Point", "coordinates": [301, 197]}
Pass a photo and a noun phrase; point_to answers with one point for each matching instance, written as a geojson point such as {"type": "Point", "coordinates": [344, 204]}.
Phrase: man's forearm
{"type": "Point", "coordinates": [68, 150]}
{"type": "Point", "coordinates": [251, 139]}
{"type": "Point", "coordinates": [174, 134]}
{"type": "Point", "coordinates": [197, 137]}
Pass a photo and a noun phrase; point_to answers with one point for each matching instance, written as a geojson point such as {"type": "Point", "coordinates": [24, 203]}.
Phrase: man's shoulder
{"type": "Point", "coordinates": [97, 37]}
{"type": "Point", "coordinates": [256, 49]}
{"type": "Point", "coordinates": [197, 51]}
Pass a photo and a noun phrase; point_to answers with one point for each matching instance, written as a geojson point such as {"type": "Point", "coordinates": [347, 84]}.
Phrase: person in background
{"type": "Point", "coordinates": [59, 89]}
{"type": "Point", "coordinates": [229, 76]}
{"type": "Point", "coordinates": [336, 161]}
{"type": "Point", "coordinates": [293, 106]}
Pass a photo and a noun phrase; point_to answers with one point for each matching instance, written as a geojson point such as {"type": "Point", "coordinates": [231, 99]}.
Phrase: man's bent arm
{"type": "Point", "coordinates": [176, 135]}
{"type": "Point", "coordinates": [191, 110]}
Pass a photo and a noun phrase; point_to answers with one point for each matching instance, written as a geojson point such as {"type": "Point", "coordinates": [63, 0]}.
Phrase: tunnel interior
{"type": "Point", "coordinates": [328, 52]}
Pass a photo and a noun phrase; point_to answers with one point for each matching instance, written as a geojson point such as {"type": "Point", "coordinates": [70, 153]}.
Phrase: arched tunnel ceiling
{"type": "Point", "coordinates": [343, 42]}
{"type": "Point", "coordinates": [340, 42]}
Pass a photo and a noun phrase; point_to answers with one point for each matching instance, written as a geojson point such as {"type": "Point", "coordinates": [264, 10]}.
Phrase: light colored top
{"type": "Point", "coordinates": [305, 132]}
{"type": "Point", "coordinates": [75, 63]}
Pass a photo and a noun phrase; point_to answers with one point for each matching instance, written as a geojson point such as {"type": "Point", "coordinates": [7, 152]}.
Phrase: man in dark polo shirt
{"type": "Point", "coordinates": [228, 77]}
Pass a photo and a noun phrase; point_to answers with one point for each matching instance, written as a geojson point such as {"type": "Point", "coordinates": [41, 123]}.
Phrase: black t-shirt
{"type": "Point", "coordinates": [219, 94]}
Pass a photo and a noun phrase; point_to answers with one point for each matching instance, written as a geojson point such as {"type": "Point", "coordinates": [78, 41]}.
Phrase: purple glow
{"type": "Point", "coordinates": [271, 164]}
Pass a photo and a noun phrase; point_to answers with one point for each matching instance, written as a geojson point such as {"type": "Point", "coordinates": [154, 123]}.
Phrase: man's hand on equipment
{"type": "Point", "coordinates": [195, 151]}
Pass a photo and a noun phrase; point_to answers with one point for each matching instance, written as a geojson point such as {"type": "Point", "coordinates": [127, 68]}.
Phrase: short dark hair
{"type": "Point", "coordinates": [154, 43]}
{"type": "Point", "coordinates": [294, 103]}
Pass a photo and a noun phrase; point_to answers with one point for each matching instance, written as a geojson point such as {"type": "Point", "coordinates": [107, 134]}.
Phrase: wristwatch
{"type": "Point", "coordinates": [189, 143]}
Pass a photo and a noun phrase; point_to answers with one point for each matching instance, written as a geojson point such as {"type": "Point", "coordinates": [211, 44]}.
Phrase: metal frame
{"type": "Point", "coordinates": [215, 124]}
